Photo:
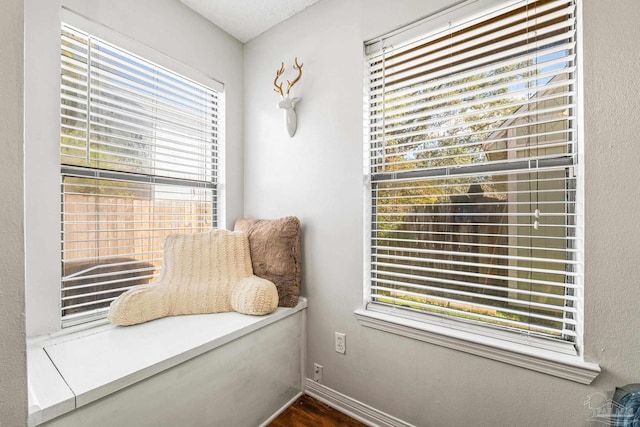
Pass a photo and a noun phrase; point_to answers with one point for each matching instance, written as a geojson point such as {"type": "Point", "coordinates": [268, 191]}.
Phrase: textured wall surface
{"type": "Point", "coordinates": [612, 155]}
{"type": "Point", "coordinates": [318, 177]}
{"type": "Point", "coordinates": [13, 369]}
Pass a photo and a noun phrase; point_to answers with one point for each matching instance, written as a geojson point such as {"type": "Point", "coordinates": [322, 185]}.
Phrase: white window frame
{"type": "Point", "coordinates": [163, 170]}
{"type": "Point", "coordinates": [42, 204]}
{"type": "Point", "coordinates": [561, 360]}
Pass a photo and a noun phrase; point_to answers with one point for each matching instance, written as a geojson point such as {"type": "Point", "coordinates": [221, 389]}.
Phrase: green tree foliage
{"type": "Point", "coordinates": [448, 125]}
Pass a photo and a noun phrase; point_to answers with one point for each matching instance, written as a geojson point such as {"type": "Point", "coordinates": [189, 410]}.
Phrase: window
{"type": "Point", "coordinates": [138, 161]}
{"type": "Point", "coordinates": [472, 148]}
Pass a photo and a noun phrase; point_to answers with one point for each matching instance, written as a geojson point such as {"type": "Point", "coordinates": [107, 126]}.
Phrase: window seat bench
{"type": "Point", "coordinates": [212, 369]}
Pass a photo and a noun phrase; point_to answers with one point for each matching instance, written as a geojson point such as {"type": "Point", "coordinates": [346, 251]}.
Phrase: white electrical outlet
{"type": "Point", "coordinates": [317, 373]}
{"type": "Point", "coordinates": [341, 343]}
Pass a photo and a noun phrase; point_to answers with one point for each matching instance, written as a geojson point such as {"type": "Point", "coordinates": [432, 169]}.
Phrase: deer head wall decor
{"type": "Point", "coordinates": [286, 103]}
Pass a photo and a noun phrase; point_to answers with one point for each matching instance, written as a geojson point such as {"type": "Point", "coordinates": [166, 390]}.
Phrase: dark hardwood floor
{"type": "Point", "coordinates": [307, 411]}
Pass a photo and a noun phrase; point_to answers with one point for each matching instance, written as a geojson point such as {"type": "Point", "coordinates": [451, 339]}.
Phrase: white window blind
{"type": "Point", "coordinates": [139, 161]}
{"type": "Point", "coordinates": [473, 150]}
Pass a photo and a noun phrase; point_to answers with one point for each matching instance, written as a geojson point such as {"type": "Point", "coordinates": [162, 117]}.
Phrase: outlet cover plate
{"type": "Point", "coordinates": [341, 343]}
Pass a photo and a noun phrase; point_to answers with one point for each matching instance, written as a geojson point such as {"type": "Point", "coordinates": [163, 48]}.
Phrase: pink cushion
{"type": "Point", "coordinates": [275, 254]}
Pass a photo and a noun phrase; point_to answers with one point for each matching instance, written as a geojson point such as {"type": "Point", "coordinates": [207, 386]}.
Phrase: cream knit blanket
{"type": "Point", "coordinates": [203, 273]}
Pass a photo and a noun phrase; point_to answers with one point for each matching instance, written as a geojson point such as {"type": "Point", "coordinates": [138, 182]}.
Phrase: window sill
{"type": "Point", "coordinates": [75, 369]}
{"type": "Point", "coordinates": [565, 366]}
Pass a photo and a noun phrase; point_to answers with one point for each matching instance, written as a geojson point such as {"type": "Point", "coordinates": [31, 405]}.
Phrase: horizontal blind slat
{"type": "Point", "coordinates": [492, 97]}
{"type": "Point", "coordinates": [139, 160]}
{"type": "Point", "coordinates": [456, 296]}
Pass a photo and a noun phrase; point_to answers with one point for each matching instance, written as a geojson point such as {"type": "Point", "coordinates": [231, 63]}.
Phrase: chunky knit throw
{"type": "Point", "coordinates": [203, 273]}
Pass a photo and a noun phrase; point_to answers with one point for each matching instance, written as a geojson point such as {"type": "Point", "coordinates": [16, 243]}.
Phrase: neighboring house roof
{"type": "Point", "coordinates": [510, 122]}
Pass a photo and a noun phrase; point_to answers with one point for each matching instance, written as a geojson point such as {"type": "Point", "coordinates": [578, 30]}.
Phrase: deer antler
{"type": "Point", "coordinates": [278, 87]}
{"type": "Point", "coordinates": [296, 67]}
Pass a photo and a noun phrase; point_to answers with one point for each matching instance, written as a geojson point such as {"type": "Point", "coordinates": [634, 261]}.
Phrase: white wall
{"type": "Point", "coordinates": [317, 176]}
{"type": "Point", "coordinates": [13, 365]}
{"type": "Point", "coordinates": [166, 26]}
{"type": "Point", "coordinates": [612, 65]}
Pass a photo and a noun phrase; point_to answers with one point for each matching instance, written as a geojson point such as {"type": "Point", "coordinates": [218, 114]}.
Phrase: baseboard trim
{"type": "Point", "coordinates": [281, 410]}
{"type": "Point", "coordinates": [352, 407]}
